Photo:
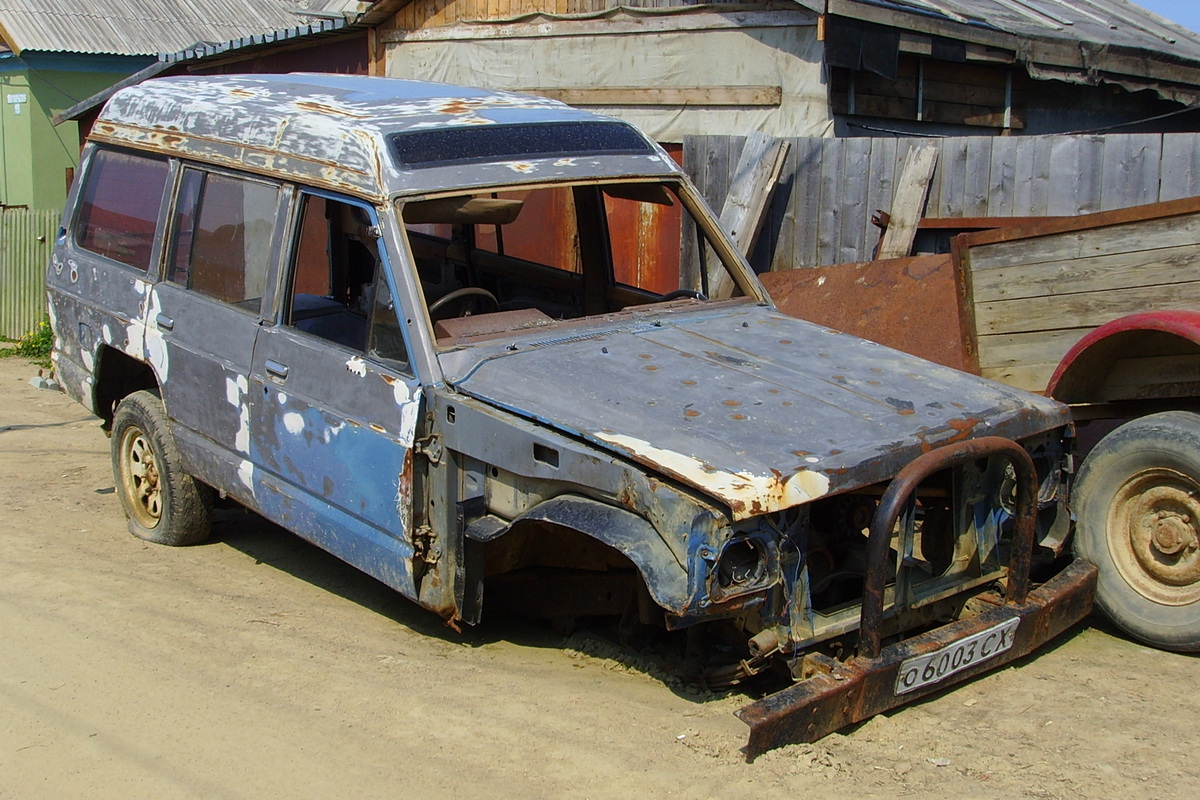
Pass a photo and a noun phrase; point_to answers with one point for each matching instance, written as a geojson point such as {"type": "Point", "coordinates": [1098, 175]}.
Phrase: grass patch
{"type": "Point", "coordinates": [34, 345]}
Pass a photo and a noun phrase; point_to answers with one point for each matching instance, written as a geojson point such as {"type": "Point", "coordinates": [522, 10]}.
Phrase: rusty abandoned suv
{"type": "Point", "coordinates": [483, 344]}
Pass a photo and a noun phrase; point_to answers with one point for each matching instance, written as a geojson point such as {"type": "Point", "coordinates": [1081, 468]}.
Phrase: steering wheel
{"type": "Point", "coordinates": [678, 293]}
{"type": "Point", "coordinates": [487, 298]}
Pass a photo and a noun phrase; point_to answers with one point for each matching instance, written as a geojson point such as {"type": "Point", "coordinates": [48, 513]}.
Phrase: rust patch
{"type": "Point", "coordinates": [650, 368]}
{"type": "Point", "coordinates": [691, 412]}
{"type": "Point", "coordinates": [323, 108]}
{"type": "Point", "coordinates": [731, 403]}
{"type": "Point", "coordinates": [459, 106]}
{"type": "Point", "coordinates": [737, 416]}
{"type": "Point", "coordinates": [689, 382]}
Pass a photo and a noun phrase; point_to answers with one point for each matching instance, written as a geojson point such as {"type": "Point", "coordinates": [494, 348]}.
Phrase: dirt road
{"type": "Point", "coordinates": [256, 666]}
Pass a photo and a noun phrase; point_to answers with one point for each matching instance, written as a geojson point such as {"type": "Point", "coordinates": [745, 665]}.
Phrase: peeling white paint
{"type": "Point", "coordinates": [293, 422]}
{"type": "Point", "coordinates": [357, 366]}
{"type": "Point", "coordinates": [246, 475]}
{"type": "Point", "coordinates": [331, 431]}
{"type": "Point", "coordinates": [155, 343]}
{"type": "Point", "coordinates": [236, 391]}
{"type": "Point", "coordinates": [746, 494]}
{"type": "Point", "coordinates": [281, 398]}
{"type": "Point", "coordinates": [523, 167]}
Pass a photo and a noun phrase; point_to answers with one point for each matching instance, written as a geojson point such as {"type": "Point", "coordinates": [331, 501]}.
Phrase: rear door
{"type": "Point", "coordinates": [204, 317]}
{"type": "Point", "coordinates": [334, 402]}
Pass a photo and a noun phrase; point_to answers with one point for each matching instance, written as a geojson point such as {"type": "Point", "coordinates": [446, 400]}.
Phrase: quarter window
{"type": "Point", "coordinates": [224, 227]}
{"type": "Point", "coordinates": [118, 210]}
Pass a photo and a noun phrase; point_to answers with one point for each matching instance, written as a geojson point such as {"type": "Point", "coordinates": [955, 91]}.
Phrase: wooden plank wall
{"type": "Point", "coordinates": [1034, 298]}
{"type": "Point", "coordinates": [421, 14]}
{"type": "Point", "coordinates": [830, 187]}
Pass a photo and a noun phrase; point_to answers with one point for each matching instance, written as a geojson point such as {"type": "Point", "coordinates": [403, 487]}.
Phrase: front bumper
{"type": "Point", "coordinates": [857, 689]}
{"type": "Point", "coordinates": [842, 693]}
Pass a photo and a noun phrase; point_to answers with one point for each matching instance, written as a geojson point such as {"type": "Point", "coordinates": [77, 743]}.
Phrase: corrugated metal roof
{"type": "Point", "coordinates": [244, 43]}
{"type": "Point", "coordinates": [1095, 22]}
{"type": "Point", "coordinates": [136, 27]}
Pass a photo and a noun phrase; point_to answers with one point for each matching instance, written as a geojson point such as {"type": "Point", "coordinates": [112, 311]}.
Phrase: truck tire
{"type": "Point", "coordinates": [1137, 499]}
{"type": "Point", "coordinates": [164, 504]}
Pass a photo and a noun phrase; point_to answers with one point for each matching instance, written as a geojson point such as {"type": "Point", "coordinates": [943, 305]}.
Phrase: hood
{"type": "Point", "coordinates": [756, 409]}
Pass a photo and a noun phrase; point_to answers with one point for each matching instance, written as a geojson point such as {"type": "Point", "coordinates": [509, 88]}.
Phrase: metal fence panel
{"type": "Point", "coordinates": [26, 238]}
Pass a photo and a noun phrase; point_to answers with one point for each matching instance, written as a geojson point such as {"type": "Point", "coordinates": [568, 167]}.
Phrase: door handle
{"type": "Point", "coordinates": [164, 322]}
{"type": "Point", "coordinates": [276, 370]}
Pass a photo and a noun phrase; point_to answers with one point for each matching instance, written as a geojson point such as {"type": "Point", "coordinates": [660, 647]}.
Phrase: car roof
{"type": "Point", "coordinates": [343, 132]}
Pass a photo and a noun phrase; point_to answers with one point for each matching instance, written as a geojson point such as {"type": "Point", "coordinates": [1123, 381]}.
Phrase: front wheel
{"type": "Point", "coordinates": [164, 504]}
{"type": "Point", "coordinates": [1138, 506]}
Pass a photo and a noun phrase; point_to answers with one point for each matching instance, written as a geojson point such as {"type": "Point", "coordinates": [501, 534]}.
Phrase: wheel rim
{"type": "Point", "coordinates": [140, 478]}
{"type": "Point", "coordinates": [1154, 525]}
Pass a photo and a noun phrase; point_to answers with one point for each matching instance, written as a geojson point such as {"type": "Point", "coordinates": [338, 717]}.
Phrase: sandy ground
{"type": "Point", "coordinates": [257, 666]}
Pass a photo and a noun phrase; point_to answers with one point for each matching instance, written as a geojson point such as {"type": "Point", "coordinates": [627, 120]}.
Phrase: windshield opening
{"type": "Point", "coordinates": [504, 261]}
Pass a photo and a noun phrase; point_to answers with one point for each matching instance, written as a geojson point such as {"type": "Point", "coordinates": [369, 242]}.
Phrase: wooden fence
{"type": "Point", "coordinates": [821, 213]}
{"type": "Point", "coordinates": [26, 238]}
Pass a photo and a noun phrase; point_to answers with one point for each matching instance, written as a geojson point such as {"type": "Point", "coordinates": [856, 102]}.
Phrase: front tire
{"type": "Point", "coordinates": [1138, 505]}
{"type": "Point", "coordinates": [164, 504]}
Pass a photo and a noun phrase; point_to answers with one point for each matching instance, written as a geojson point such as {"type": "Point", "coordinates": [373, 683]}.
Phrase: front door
{"type": "Point", "coordinates": [335, 405]}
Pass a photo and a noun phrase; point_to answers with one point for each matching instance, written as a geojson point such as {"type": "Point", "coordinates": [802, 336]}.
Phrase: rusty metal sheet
{"type": "Point", "coordinates": [912, 304]}
{"type": "Point", "coordinates": [860, 688]}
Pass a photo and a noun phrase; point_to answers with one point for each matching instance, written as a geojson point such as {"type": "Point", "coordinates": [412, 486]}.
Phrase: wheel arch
{"type": "Point", "coordinates": [629, 534]}
{"type": "Point", "coordinates": [1097, 367]}
{"type": "Point", "coordinates": [117, 376]}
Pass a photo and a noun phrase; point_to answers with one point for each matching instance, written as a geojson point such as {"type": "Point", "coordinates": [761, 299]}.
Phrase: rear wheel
{"type": "Point", "coordinates": [1138, 504]}
{"type": "Point", "coordinates": [164, 504]}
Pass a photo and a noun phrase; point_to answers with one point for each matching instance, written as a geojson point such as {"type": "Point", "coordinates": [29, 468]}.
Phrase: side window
{"type": "Point", "coordinates": [339, 291]}
{"type": "Point", "coordinates": [118, 206]}
{"type": "Point", "coordinates": [224, 227]}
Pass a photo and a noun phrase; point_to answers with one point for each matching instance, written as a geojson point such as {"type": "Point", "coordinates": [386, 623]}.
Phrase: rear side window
{"type": "Point", "coordinates": [118, 207]}
{"type": "Point", "coordinates": [224, 228]}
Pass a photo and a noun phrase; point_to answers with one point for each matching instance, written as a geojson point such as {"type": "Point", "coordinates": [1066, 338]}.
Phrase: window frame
{"type": "Point", "coordinates": [153, 270]}
{"type": "Point", "coordinates": [265, 310]}
{"type": "Point", "coordinates": [289, 247]}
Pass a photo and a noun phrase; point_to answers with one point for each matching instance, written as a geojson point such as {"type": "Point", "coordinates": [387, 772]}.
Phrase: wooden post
{"type": "Point", "coordinates": [754, 180]}
{"type": "Point", "coordinates": [908, 204]}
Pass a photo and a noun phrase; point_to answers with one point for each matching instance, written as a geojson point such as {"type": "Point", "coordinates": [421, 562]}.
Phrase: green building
{"type": "Point", "coordinates": [55, 54]}
{"type": "Point", "coordinates": [37, 158]}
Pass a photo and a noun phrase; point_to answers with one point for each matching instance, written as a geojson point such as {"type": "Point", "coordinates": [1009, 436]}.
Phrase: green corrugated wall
{"type": "Point", "coordinates": [26, 238]}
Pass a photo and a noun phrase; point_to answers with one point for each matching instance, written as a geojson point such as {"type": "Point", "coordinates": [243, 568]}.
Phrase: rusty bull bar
{"type": "Point", "coordinates": [842, 693]}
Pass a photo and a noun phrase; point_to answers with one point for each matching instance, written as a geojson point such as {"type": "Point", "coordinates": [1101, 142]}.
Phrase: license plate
{"type": "Point", "coordinates": [933, 667]}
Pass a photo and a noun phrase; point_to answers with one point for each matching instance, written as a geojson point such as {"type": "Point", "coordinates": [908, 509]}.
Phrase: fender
{"type": "Point", "coordinates": [1082, 374]}
{"type": "Point", "coordinates": [633, 536]}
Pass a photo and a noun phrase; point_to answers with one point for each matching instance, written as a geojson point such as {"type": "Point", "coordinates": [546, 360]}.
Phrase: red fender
{"type": "Point", "coordinates": [1084, 368]}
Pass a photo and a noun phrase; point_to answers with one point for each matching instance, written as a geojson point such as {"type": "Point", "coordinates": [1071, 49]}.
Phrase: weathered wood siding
{"type": "Point", "coordinates": [831, 187]}
{"type": "Point", "coordinates": [421, 14]}
{"type": "Point", "coordinates": [1035, 297]}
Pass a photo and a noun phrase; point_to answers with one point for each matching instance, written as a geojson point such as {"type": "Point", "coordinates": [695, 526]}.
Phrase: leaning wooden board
{"type": "Point", "coordinates": [1009, 303]}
